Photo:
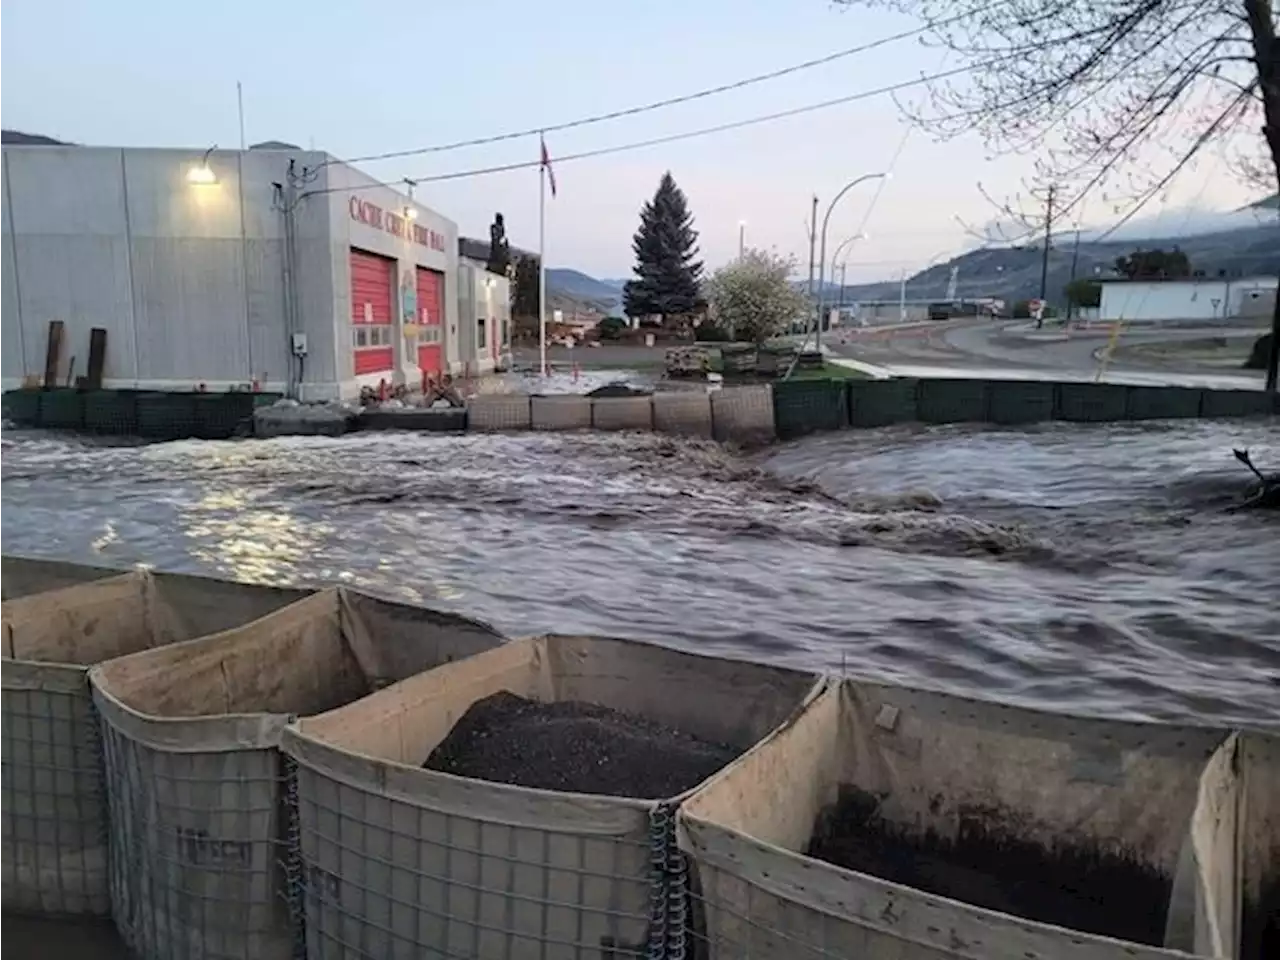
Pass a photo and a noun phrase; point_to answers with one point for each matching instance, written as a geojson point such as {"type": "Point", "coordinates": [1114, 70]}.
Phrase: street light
{"type": "Point", "coordinates": [822, 257]}
{"type": "Point", "coordinates": [203, 174]}
{"type": "Point", "coordinates": [742, 238]}
{"type": "Point", "coordinates": [835, 258]}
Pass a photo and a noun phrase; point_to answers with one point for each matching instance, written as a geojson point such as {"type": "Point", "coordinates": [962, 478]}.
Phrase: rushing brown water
{"type": "Point", "coordinates": [1084, 568]}
{"type": "Point", "coordinates": [1081, 568]}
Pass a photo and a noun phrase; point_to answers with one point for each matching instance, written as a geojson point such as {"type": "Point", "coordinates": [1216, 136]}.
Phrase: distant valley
{"type": "Point", "coordinates": [1009, 273]}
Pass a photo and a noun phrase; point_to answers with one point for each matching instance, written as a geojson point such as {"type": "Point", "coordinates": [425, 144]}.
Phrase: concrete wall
{"type": "Point", "coordinates": [186, 278]}
{"type": "Point", "coordinates": [428, 240]}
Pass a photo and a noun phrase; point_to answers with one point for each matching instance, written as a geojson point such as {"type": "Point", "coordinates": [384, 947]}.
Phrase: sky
{"type": "Point", "coordinates": [358, 80]}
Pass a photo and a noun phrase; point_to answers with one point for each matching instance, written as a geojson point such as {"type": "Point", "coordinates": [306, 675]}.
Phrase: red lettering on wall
{"type": "Point", "coordinates": [372, 215]}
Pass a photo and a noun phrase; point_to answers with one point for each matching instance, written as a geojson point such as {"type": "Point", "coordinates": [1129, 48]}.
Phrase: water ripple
{"type": "Point", "coordinates": [1086, 568]}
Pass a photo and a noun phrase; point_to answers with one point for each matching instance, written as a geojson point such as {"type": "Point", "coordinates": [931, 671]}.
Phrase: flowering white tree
{"type": "Point", "coordinates": [753, 296]}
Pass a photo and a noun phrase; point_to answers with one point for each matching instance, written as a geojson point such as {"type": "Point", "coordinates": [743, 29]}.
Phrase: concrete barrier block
{"type": "Point", "coordinates": [743, 414]}
{"type": "Point", "coordinates": [682, 414]}
{"type": "Point", "coordinates": [499, 411]}
{"type": "Point", "coordinates": [1020, 401]}
{"type": "Point", "coordinates": [566, 412]}
{"type": "Point", "coordinates": [622, 413]}
{"type": "Point", "coordinates": [302, 420]}
{"type": "Point", "coordinates": [1163, 403]}
{"type": "Point", "coordinates": [957, 400]}
{"type": "Point", "coordinates": [879, 403]}
{"type": "Point", "coordinates": [1235, 403]}
{"type": "Point", "coordinates": [1092, 402]}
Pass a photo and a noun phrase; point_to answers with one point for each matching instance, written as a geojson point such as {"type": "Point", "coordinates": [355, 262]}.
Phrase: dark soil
{"type": "Point", "coordinates": [1080, 889]}
{"type": "Point", "coordinates": [575, 747]}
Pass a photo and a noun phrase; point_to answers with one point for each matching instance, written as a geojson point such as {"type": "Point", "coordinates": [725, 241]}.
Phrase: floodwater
{"type": "Point", "coordinates": [1085, 568]}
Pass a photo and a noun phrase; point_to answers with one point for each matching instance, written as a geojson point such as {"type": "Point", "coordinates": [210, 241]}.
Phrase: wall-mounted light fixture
{"type": "Point", "coordinates": [203, 174]}
{"type": "Point", "coordinates": [411, 213]}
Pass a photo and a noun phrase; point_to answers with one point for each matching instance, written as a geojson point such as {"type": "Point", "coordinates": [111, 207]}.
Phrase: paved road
{"type": "Point", "coordinates": [983, 347]}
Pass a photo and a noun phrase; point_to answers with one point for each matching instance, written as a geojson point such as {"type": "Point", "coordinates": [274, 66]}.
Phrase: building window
{"type": "Point", "coordinates": [480, 333]}
{"type": "Point", "coordinates": [364, 336]}
{"type": "Point", "coordinates": [428, 336]}
{"type": "Point", "coordinates": [506, 332]}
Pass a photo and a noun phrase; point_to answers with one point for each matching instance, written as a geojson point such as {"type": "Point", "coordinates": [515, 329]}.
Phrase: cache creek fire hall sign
{"type": "Point", "coordinates": [372, 215]}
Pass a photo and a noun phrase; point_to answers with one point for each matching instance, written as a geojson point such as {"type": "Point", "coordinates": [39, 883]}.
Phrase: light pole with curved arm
{"type": "Point", "coordinates": [835, 258]}
{"type": "Point", "coordinates": [822, 258]}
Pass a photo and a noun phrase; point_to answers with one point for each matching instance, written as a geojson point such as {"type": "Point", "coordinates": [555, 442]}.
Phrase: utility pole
{"type": "Point", "coordinates": [813, 252]}
{"type": "Point", "coordinates": [1048, 237]}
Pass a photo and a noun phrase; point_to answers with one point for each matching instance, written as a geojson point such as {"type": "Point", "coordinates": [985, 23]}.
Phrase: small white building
{"type": "Point", "coordinates": [182, 258]}
{"type": "Point", "coordinates": [1187, 301]}
{"type": "Point", "coordinates": [484, 311]}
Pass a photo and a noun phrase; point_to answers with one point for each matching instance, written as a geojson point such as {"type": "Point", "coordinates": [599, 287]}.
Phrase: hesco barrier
{"type": "Point", "coordinates": [743, 414]}
{"type": "Point", "coordinates": [1236, 403]}
{"type": "Point", "coordinates": [682, 414]}
{"type": "Point", "coordinates": [443, 420]}
{"type": "Point", "coordinates": [882, 403]}
{"type": "Point", "coordinates": [807, 406]}
{"type": "Point", "coordinates": [22, 407]}
{"type": "Point", "coordinates": [55, 831]}
{"type": "Point", "coordinates": [155, 415]}
{"type": "Point", "coordinates": [23, 576]}
{"type": "Point", "coordinates": [62, 409]}
{"type": "Point", "coordinates": [111, 412]}
{"type": "Point", "coordinates": [408, 862]}
{"type": "Point", "coordinates": [1162, 403]}
{"type": "Point", "coordinates": [799, 407]}
{"type": "Point", "coordinates": [202, 861]}
{"type": "Point", "coordinates": [566, 412]}
{"type": "Point", "coordinates": [622, 413]}
{"type": "Point", "coordinates": [166, 416]}
{"type": "Point", "coordinates": [1016, 402]}
{"type": "Point", "coordinates": [499, 411]}
{"type": "Point", "coordinates": [220, 416]}
{"type": "Point", "coordinates": [1260, 846]}
{"type": "Point", "coordinates": [951, 401]}
{"type": "Point", "coordinates": [966, 825]}
{"type": "Point", "coordinates": [1092, 402]}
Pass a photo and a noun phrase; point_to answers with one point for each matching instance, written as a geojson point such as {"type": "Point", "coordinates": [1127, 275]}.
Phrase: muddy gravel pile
{"type": "Point", "coordinates": [1083, 890]}
{"type": "Point", "coordinates": [575, 747]}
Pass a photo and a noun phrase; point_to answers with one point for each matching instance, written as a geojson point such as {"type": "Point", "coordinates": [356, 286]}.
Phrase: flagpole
{"type": "Point", "coordinates": [542, 261]}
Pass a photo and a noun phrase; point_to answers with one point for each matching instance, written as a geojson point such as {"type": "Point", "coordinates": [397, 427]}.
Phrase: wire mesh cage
{"type": "Point", "coordinates": [402, 861]}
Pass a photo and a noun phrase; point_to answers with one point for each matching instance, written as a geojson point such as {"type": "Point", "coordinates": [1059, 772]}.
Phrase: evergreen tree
{"type": "Point", "coordinates": [668, 272]}
{"type": "Point", "coordinates": [524, 291]}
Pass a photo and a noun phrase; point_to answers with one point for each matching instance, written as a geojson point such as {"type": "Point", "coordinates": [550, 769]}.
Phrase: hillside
{"type": "Point", "coordinates": [573, 285]}
{"type": "Point", "coordinates": [18, 138]}
{"type": "Point", "coordinates": [1013, 273]}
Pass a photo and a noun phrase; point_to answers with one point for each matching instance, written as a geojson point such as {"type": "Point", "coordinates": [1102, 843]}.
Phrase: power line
{"type": "Point", "coordinates": [674, 101]}
{"type": "Point", "coordinates": [673, 138]}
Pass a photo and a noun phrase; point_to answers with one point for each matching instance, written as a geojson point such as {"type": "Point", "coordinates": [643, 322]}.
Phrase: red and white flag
{"type": "Point", "coordinates": [546, 165]}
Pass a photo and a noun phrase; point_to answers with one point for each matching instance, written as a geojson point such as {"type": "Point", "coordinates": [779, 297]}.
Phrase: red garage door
{"type": "Point", "coordinates": [431, 320]}
{"type": "Point", "coordinates": [372, 301]}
